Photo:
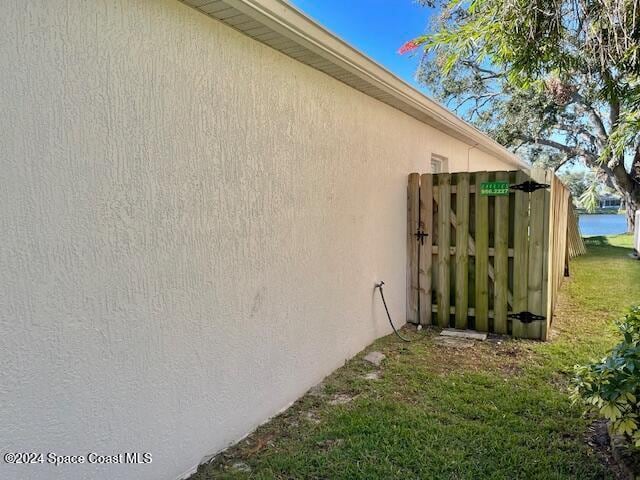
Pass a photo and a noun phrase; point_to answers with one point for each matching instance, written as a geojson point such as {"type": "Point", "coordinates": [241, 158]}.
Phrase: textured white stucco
{"type": "Point", "coordinates": [192, 225]}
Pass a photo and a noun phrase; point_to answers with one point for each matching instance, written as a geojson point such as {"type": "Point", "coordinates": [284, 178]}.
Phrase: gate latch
{"type": "Point", "coordinates": [529, 186]}
{"type": "Point", "coordinates": [420, 236]}
{"type": "Point", "coordinates": [526, 317]}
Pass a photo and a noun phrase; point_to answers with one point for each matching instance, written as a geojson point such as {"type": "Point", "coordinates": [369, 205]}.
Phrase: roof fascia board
{"type": "Point", "coordinates": [288, 21]}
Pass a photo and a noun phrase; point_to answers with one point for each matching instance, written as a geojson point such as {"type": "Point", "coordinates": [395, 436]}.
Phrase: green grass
{"type": "Point", "coordinates": [492, 412]}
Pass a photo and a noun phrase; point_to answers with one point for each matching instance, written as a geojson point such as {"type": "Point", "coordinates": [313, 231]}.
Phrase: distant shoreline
{"type": "Point", "coordinates": [600, 212]}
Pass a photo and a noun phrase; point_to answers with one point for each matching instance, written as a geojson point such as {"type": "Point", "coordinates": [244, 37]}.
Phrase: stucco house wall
{"type": "Point", "coordinates": [192, 225]}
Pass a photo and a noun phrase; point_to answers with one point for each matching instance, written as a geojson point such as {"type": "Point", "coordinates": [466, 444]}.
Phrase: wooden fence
{"type": "Point", "coordinates": [487, 260]}
{"type": "Point", "coordinates": [558, 252]}
{"type": "Point", "coordinates": [576, 244]}
{"type": "Point", "coordinates": [636, 234]}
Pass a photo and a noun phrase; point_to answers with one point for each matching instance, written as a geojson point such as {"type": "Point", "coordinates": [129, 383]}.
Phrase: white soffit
{"type": "Point", "coordinates": [281, 26]}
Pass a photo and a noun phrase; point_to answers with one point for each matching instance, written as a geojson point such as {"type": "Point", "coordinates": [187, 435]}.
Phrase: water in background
{"type": "Point", "coordinates": [602, 224]}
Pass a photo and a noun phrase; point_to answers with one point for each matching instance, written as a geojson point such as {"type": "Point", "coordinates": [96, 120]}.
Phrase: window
{"type": "Point", "coordinates": [439, 164]}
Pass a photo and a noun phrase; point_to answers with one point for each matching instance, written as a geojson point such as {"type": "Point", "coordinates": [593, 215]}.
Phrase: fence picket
{"type": "Point", "coordinates": [558, 244]}
{"type": "Point", "coordinates": [413, 209]}
{"type": "Point", "coordinates": [462, 250]}
{"type": "Point", "coordinates": [501, 259]}
{"type": "Point", "coordinates": [546, 176]}
{"type": "Point", "coordinates": [520, 256]}
{"type": "Point", "coordinates": [426, 254]}
{"type": "Point", "coordinates": [481, 256]}
{"type": "Point", "coordinates": [537, 245]}
{"type": "Point", "coordinates": [444, 241]}
{"type": "Point", "coordinates": [576, 244]}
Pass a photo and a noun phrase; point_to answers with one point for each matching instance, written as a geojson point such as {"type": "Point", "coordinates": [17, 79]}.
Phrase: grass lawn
{"type": "Point", "coordinates": [497, 410]}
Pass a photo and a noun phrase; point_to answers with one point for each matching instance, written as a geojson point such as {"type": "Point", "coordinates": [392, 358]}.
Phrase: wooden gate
{"type": "Point", "coordinates": [479, 253]}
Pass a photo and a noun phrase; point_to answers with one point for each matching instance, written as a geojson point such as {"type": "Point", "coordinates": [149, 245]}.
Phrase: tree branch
{"type": "Point", "coordinates": [595, 118]}
{"type": "Point", "coordinates": [572, 151]}
{"type": "Point", "coordinates": [614, 101]}
{"type": "Point", "coordinates": [616, 169]}
{"type": "Point", "coordinates": [635, 165]}
{"type": "Point", "coordinates": [476, 98]}
{"type": "Point", "coordinates": [577, 129]}
{"type": "Point", "coordinates": [564, 162]}
{"type": "Point", "coordinates": [474, 66]}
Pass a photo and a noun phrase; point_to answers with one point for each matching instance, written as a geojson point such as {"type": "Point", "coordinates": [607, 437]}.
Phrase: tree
{"type": "Point", "coordinates": [578, 182]}
{"type": "Point", "coordinates": [555, 80]}
{"type": "Point", "coordinates": [586, 189]}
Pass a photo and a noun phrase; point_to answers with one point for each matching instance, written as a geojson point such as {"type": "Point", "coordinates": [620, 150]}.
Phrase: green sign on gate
{"type": "Point", "coordinates": [494, 188]}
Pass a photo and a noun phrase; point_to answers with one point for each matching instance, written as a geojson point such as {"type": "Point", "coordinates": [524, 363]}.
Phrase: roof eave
{"type": "Point", "coordinates": [283, 26]}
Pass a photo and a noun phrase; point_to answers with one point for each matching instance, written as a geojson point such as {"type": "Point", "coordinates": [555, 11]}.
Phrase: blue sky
{"type": "Point", "coordinates": [375, 27]}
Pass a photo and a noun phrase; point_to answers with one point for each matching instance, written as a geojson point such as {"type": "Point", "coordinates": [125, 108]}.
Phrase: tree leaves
{"type": "Point", "coordinates": [612, 385]}
{"type": "Point", "coordinates": [551, 79]}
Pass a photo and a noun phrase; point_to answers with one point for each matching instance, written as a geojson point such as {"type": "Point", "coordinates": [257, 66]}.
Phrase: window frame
{"type": "Point", "coordinates": [441, 161]}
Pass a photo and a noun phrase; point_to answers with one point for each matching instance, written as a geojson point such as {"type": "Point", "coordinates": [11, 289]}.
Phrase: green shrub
{"type": "Point", "coordinates": [612, 386]}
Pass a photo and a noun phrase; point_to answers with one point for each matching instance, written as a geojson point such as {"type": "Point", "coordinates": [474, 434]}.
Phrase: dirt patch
{"type": "Point", "coordinates": [241, 467]}
{"type": "Point", "coordinates": [260, 442]}
{"type": "Point", "coordinates": [239, 458]}
{"type": "Point", "coordinates": [317, 390]}
{"type": "Point", "coordinates": [626, 456]}
{"type": "Point", "coordinates": [510, 369]}
{"type": "Point", "coordinates": [559, 380]}
{"type": "Point", "coordinates": [455, 343]}
{"type": "Point", "coordinates": [372, 376]}
{"type": "Point", "coordinates": [508, 351]}
{"type": "Point", "coordinates": [340, 399]}
{"type": "Point", "coordinates": [312, 417]}
{"type": "Point", "coordinates": [598, 439]}
{"type": "Point", "coordinates": [505, 357]}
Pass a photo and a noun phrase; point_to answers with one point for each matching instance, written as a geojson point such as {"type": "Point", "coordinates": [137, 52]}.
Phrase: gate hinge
{"type": "Point", "coordinates": [529, 186]}
{"type": "Point", "coordinates": [420, 236]}
{"type": "Point", "coordinates": [526, 317]}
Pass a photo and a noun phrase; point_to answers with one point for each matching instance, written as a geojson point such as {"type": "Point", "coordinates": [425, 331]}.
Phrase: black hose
{"type": "Point", "coordinates": [379, 286]}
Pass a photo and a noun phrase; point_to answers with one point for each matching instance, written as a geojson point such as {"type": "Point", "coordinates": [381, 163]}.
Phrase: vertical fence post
{"type": "Point", "coordinates": [501, 259]}
{"type": "Point", "coordinates": [636, 234]}
{"type": "Point", "coordinates": [426, 223]}
{"type": "Point", "coordinates": [444, 241]}
{"type": "Point", "coordinates": [462, 250]}
{"type": "Point", "coordinates": [521, 257]}
{"type": "Point", "coordinates": [558, 237]}
{"type": "Point", "coordinates": [549, 250]}
{"type": "Point", "coordinates": [481, 306]}
{"type": "Point", "coordinates": [413, 209]}
{"type": "Point", "coordinates": [538, 247]}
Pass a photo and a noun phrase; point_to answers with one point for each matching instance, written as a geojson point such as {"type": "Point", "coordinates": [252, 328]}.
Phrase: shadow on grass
{"type": "Point", "coordinates": [610, 245]}
{"type": "Point", "coordinates": [597, 241]}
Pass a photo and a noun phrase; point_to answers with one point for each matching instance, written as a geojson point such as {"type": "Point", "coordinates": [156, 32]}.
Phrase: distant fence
{"type": "Point", "coordinates": [636, 234]}
{"type": "Point", "coordinates": [488, 250]}
{"type": "Point", "coordinates": [574, 237]}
